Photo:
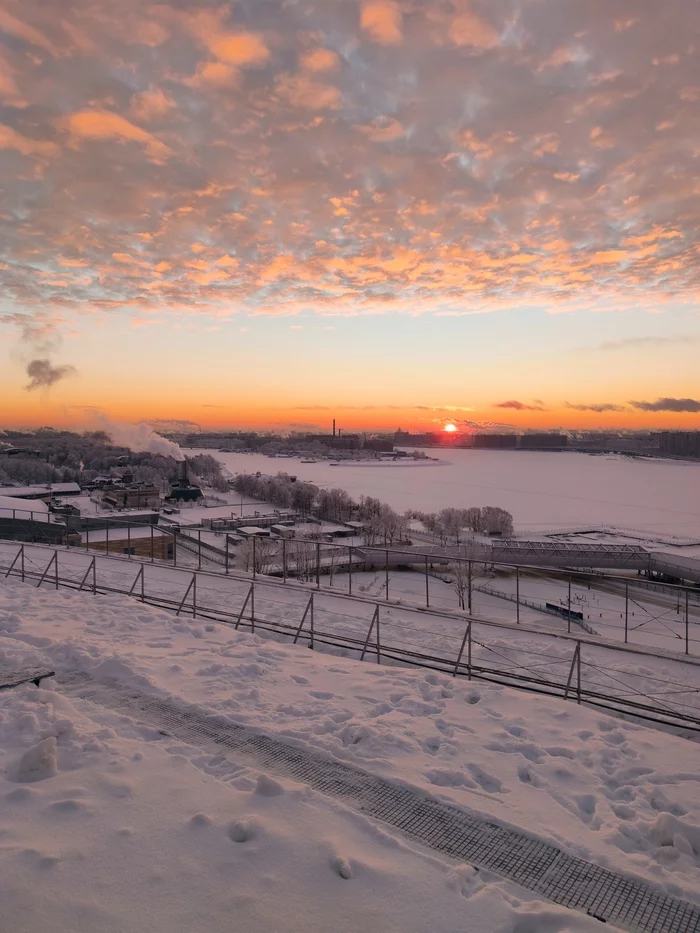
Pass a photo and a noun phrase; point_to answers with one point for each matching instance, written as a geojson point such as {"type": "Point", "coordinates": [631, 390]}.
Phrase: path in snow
{"type": "Point", "coordinates": [536, 865]}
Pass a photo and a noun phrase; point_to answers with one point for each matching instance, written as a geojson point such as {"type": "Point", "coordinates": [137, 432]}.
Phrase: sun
{"type": "Point", "coordinates": [450, 428]}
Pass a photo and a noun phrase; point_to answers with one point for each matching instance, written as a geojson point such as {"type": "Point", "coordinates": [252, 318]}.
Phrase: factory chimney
{"type": "Point", "coordinates": [334, 427]}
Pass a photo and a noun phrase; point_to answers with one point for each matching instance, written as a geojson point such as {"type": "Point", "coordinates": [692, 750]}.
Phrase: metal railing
{"type": "Point", "coordinates": [555, 664]}
{"type": "Point", "coordinates": [641, 611]}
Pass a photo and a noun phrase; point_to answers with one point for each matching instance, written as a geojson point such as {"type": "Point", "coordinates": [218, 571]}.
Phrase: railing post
{"type": "Point", "coordinates": [174, 548]}
{"type": "Point", "coordinates": [517, 595]}
{"type": "Point", "coordinates": [245, 603]}
{"type": "Point", "coordinates": [687, 630]}
{"type": "Point", "coordinates": [252, 608]}
{"type": "Point", "coordinates": [575, 663]}
{"type": "Point", "coordinates": [194, 596]}
{"type": "Point", "coordinates": [318, 566]}
{"type": "Point", "coordinates": [107, 532]}
{"type": "Point", "coordinates": [22, 562]}
{"type": "Point", "coordinates": [467, 638]}
{"type": "Point", "coordinates": [199, 549]}
{"type": "Point", "coordinates": [568, 614]}
{"type": "Point", "coordinates": [284, 560]}
{"type": "Point", "coordinates": [375, 621]}
{"type": "Point", "coordinates": [469, 585]}
{"type": "Point", "coordinates": [310, 612]}
{"type": "Point", "coordinates": [627, 609]}
{"type": "Point", "coordinates": [427, 587]}
{"type": "Point", "coordinates": [386, 569]}
{"type": "Point", "coordinates": [151, 527]}
{"type": "Point", "coordinates": [578, 675]}
{"type": "Point", "coordinates": [87, 535]}
{"type": "Point", "coordinates": [226, 559]}
{"type": "Point", "coordinates": [128, 539]}
{"type": "Point", "coordinates": [350, 569]}
{"type": "Point", "coordinates": [254, 557]}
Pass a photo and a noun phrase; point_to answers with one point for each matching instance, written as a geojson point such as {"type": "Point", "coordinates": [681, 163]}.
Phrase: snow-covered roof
{"type": "Point", "coordinates": [13, 508]}
{"type": "Point", "coordinates": [28, 492]}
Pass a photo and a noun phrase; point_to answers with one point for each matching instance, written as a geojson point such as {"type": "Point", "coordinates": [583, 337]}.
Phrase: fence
{"type": "Point", "coordinates": [664, 615]}
{"type": "Point", "coordinates": [612, 678]}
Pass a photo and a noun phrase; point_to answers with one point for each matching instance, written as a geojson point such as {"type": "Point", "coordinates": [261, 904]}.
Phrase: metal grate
{"type": "Point", "coordinates": [24, 675]}
{"type": "Point", "coordinates": [538, 866]}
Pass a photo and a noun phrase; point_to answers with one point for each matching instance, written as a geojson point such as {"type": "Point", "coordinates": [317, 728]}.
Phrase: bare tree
{"type": "Point", "coordinates": [461, 573]}
{"type": "Point", "coordinates": [256, 554]}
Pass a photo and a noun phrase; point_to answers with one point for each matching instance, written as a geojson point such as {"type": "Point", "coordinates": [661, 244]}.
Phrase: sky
{"type": "Point", "coordinates": [265, 213]}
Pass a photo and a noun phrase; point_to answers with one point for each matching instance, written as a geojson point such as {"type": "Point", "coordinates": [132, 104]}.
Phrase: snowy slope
{"type": "Point", "coordinates": [100, 821]}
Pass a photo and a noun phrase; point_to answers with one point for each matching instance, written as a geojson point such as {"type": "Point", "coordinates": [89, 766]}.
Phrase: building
{"type": "Point", "coordinates": [543, 441]}
{"type": "Point", "coordinates": [680, 443]}
{"type": "Point", "coordinates": [496, 441]}
{"type": "Point", "coordinates": [44, 491]}
{"type": "Point", "coordinates": [30, 521]}
{"type": "Point", "coordinates": [135, 496]}
{"type": "Point", "coordinates": [181, 490]}
{"type": "Point", "coordinates": [379, 444]}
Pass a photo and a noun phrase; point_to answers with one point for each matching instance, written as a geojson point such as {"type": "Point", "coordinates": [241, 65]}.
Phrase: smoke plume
{"type": "Point", "coordinates": [43, 374]}
{"type": "Point", "coordinates": [137, 437]}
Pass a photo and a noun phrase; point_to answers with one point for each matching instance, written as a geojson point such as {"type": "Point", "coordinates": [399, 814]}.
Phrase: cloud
{"type": "Point", "coordinates": [150, 105]}
{"type": "Point", "coordinates": [669, 404]}
{"type": "Point", "coordinates": [351, 158]}
{"type": "Point", "coordinates": [634, 342]}
{"type": "Point", "coordinates": [43, 374]}
{"type": "Point", "coordinates": [519, 406]}
{"type": "Point", "coordinates": [381, 20]}
{"type": "Point", "coordinates": [599, 407]}
{"type": "Point", "coordinates": [468, 29]}
{"type": "Point", "coordinates": [319, 59]}
{"type": "Point", "coordinates": [101, 124]}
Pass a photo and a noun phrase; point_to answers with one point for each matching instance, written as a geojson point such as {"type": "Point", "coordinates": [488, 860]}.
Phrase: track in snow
{"type": "Point", "coordinates": [538, 866]}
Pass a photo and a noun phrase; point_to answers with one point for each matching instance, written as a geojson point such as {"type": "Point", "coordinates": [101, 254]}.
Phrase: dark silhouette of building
{"type": "Point", "coordinates": [496, 441]}
{"type": "Point", "coordinates": [680, 443]}
{"type": "Point", "coordinates": [543, 441]}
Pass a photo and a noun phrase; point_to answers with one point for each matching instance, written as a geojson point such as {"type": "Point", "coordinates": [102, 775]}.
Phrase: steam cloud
{"type": "Point", "coordinates": [43, 374]}
{"type": "Point", "coordinates": [139, 437]}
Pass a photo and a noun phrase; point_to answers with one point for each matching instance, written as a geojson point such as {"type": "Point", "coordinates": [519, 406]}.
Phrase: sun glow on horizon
{"type": "Point", "coordinates": [450, 428]}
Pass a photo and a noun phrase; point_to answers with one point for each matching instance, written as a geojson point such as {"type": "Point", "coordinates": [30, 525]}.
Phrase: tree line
{"type": "Point", "coordinates": [381, 523]}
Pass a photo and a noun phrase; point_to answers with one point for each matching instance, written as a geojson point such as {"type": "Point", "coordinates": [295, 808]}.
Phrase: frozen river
{"type": "Point", "coordinates": [542, 490]}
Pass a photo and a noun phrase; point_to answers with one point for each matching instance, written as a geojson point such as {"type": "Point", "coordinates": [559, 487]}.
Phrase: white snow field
{"type": "Point", "coordinates": [110, 825]}
{"type": "Point", "coordinates": [542, 490]}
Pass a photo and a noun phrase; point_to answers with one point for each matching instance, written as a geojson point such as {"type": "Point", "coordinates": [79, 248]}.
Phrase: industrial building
{"type": "Point", "coordinates": [680, 443]}
{"type": "Point", "coordinates": [30, 521]}
{"type": "Point", "coordinates": [43, 491]}
{"type": "Point", "coordinates": [132, 496]}
{"type": "Point", "coordinates": [543, 441]}
{"type": "Point", "coordinates": [496, 441]}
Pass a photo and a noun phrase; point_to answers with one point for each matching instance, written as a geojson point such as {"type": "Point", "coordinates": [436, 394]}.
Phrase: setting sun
{"type": "Point", "coordinates": [450, 428]}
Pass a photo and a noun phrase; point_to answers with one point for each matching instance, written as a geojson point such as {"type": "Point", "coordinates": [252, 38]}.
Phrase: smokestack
{"type": "Point", "coordinates": [334, 427]}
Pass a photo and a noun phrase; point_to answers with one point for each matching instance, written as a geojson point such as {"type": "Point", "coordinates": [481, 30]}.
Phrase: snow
{"type": "Point", "coordinates": [20, 509]}
{"type": "Point", "coordinates": [108, 824]}
{"type": "Point", "coordinates": [542, 490]}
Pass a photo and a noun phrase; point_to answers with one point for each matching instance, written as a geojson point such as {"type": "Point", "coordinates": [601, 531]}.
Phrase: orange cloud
{"type": "Point", "coordinates": [382, 21]}
{"type": "Point", "coordinates": [468, 29]}
{"type": "Point", "coordinates": [102, 124]}
{"type": "Point", "coordinates": [11, 139]}
{"type": "Point", "coordinates": [150, 105]}
{"type": "Point", "coordinates": [319, 59]}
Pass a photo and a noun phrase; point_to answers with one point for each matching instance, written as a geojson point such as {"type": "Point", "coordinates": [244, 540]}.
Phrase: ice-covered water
{"type": "Point", "coordinates": [541, 490]}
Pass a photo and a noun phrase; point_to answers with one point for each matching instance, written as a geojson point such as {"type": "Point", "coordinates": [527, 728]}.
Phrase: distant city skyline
{"type": "Point", "coordinates": [256, 214]}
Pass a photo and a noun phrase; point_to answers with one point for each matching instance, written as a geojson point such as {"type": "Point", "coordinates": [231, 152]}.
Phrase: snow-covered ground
{"type": "Point", "coordinates": [107, 824]}
{"type": "Point", "coordinates": [543, 490]}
